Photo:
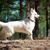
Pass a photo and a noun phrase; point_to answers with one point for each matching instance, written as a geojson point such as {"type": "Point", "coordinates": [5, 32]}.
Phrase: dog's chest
{"type": "Point", "coordinates": [30, 25]}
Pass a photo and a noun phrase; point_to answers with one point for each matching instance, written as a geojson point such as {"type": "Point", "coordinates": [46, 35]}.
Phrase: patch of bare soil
{"type": "Point", "coordinates": [25, 45]}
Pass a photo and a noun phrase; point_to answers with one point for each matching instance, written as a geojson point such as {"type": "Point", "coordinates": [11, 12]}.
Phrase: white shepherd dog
{"type": "Point", "coordinates": [24, 26]}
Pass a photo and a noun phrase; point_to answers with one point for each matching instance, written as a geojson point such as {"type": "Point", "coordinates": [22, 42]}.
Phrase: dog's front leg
{"type": "Point", "coordinates": [31, 36]}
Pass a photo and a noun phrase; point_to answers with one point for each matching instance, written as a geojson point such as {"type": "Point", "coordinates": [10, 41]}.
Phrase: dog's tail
{"type": "Point", "coordinates": [2, 23]}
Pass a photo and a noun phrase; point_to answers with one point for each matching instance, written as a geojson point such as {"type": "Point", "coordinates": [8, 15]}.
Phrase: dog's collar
{"type": "Point", "coordinates": [30, 19]}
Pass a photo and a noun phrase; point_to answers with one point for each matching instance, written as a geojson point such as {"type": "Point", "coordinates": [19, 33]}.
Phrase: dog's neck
{"type": "Point", "coordinates": [31, 20]}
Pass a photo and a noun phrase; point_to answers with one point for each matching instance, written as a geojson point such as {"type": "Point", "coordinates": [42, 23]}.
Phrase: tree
{"type": "Point", "coordinates": [46, 18]}
{"type": "Point", "coordinates": [36, 30]}
{"type": "Point", "coordinates": [27, 7]}
{"type": "Point", "coordinates": [20, 8]}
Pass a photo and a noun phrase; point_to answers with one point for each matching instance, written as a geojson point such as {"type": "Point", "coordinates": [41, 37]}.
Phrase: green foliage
{"type": "Point", "coordinates": [42, 21]}
{"type": "Point", "coordinates": [10, 9]}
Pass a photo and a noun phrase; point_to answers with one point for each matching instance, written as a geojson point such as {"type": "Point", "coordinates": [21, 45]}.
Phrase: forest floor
{"type": "Point", "coordinates": [25, 45]}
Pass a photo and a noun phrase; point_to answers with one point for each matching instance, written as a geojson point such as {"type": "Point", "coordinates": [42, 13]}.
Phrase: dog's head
{"type": "Point", "coordinates": [34, 14]}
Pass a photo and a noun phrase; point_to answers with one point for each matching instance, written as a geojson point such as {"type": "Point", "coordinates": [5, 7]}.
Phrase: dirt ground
{"type": "Point", "coordinates": [25, 45]}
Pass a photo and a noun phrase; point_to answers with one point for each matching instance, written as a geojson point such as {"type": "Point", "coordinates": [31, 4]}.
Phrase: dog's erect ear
{"type": "Point", "coordinates": [34, 8]}
{"type": "Point", "coordinates": [31, 9]}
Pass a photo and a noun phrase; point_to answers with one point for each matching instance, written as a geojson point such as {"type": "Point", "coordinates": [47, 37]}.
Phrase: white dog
{"type": "Point", "coordinates": [25, 26]}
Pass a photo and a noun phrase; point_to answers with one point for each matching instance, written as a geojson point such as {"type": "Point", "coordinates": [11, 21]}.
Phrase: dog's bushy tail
{"type": "Point", "coordinates": [2, 23]}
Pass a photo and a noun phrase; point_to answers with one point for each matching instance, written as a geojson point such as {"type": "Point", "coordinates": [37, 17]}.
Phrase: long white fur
{"type": "Point", "coordinates": [24, 26]}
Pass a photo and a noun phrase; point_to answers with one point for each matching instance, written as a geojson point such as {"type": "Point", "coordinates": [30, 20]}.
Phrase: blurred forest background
{"type": "Point", "coordinates": [13, 10]}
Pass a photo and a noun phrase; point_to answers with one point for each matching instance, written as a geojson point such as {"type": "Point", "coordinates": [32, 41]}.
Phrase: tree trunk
{"type": "Point", "coordinates": [20, 8]}
{"type": "Point", "coordinates": [36, 30]}
{"type": "Point", "coordinates": [20, 14]}
{"type": "Point", "coordinates": [46, 18]}
{"type": "Point", "coordinates": [27, 7]}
